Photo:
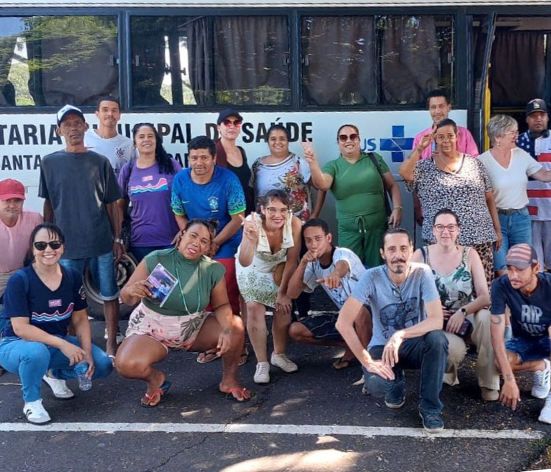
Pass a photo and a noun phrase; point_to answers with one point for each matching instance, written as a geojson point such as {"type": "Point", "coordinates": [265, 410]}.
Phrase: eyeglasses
{"type": "Point", "coordinates": [42, 245]}
{"type": "Point", "coordinates": [512, 132]}
{"type": "Point", "coordinates": [272, 211]}
{"type": "Point", "coordinates": [236, 123]}
{"type": "Point", "coordinates": [345, 137]}
{"type": "Point", "coordinates": [441, 228]}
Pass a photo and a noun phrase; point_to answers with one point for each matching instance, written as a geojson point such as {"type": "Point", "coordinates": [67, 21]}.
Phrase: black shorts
{"type": "Point", "coordinates": [323, 327]}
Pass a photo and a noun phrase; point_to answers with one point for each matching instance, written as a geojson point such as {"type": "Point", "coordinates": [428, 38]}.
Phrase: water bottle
{"type": "Point", "coordinates": [84, 383]}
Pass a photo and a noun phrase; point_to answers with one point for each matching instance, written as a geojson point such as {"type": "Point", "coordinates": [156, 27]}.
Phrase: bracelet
{"type": "Point", "coordinates": [396, 207]}
{"type": "Point", "coordinates": [118, 240]}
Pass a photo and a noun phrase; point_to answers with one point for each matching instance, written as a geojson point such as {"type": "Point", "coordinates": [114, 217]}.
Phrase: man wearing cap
{"type": "Point", "coordinates": [80, 191]}
{"type": "Point", "coordinates": [16, 226]}
{"type": "Point", "coordinates": [106, 140]}
{"type": "Point", "coordinates": [526, 292]}
{"type": "Point", "coordinates": [536, 141]}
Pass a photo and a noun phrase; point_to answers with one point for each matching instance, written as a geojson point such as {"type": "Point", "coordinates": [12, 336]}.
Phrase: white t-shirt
{"type": "Point", "coordinates": [119, 150]}
{"type": "Point", "coordinates": [510, 184]}
{"type": "Point", "coordinates": [315, 271]}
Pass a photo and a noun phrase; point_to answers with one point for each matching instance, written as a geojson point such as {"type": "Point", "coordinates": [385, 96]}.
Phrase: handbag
{"type": "Point", "coordinates": [388, 208]}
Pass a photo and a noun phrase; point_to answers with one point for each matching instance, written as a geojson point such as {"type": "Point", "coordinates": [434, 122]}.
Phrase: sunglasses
{"type": "Point", "coordinates": [41, 245]}
{"type": "Point", "coordinates": [345, 137]}
{"type": "Point", "coordinates": [236, 123]}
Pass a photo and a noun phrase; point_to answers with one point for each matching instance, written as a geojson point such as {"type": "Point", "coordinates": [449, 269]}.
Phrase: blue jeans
{"type": "Point", "coordinates": [140, 252]}
{"type": "Point", "coordinates": [103, 273]}
{"type": "Point", "coordinates": [530, 349]}
{"type": "Point", "coordinates": [31, 360]}
{"type": "Point", "coordinates": [515, 229]}
{"type": "Point", "coordinates": [428, 353]}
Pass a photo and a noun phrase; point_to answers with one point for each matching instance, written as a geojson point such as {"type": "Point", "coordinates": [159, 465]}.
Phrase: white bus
{"type": "Point", "coordinates": [311, 65]}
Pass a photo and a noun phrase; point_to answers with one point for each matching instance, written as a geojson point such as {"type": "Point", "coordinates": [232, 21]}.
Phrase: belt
{"type": "Point", "coordinates": [510, 211]}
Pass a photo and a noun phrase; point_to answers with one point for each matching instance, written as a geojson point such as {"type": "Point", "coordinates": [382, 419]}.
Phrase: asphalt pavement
{"type": "Point", "coordinates": [313, 420]}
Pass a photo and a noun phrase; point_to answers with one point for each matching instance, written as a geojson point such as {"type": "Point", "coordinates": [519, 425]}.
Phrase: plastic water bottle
{"type": "Point", "coordinates": [84, 383]}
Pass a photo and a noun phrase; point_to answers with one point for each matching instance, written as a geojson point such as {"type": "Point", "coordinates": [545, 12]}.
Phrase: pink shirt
{"type": "Point", "coordinates": [465, 142]}
{"type": "Point", "coordinates": [14, 241]}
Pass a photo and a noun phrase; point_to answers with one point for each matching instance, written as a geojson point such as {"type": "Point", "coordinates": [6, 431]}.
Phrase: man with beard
{"type": "Point", "coordinates": [407, 328]}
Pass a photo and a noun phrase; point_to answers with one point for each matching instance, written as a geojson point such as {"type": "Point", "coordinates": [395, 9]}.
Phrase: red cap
{"type": "Point", "coordinates": [11, 188]}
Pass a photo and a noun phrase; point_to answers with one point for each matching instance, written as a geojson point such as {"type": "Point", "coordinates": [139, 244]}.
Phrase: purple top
{"type": "Point", "coordinates": [153, 223]}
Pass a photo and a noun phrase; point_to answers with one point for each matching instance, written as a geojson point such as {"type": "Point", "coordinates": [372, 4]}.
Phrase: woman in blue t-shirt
{"type": "Point", "coordinates": [40, 302]}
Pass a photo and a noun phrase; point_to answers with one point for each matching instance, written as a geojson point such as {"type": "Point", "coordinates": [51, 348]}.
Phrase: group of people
{"type": "Point", "coordinates": [234, 240]}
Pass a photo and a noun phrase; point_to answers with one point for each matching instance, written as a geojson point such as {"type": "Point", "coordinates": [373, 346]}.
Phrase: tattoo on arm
{"type": "Point", "coordinates": [497, 320]}
{"type": "Point", "coordinates": [226, 331]}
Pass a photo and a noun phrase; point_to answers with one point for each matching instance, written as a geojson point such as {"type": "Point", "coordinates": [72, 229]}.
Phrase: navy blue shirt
{"type": "Point", "coordinates": [49, 310]}
{"type": "Point", "coordinates": [530, 315]}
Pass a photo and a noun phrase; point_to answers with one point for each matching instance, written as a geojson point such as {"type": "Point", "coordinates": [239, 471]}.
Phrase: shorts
{"type": "Point", "coordinates": [103, 273]}
{"type": "Point", "coordinates": [528, 349]}
{"type": "Point", "coordinates": [323, 327]}
{"type": "Point", "coordinates": [173, 332]}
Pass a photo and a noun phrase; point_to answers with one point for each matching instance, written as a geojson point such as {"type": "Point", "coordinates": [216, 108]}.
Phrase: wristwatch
{"type": "Point", "coordinates": [119, 240]}
{"type": "Point", "coordinates": [463, 310]}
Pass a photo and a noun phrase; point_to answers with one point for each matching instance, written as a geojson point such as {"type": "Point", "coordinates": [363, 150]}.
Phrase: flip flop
{"type": "Point", "coordinates": [243, 358]}
{"type": "Point", "coordinates": [148, 401]}
{"type": "Point", "coordinates": [228, 394]}
{"type": "Point", "coordinates": [208, 356]}
{"type": "Point", "coordinates": [112, 357]}
{"type": "Point", "coordinates": [342, 363]}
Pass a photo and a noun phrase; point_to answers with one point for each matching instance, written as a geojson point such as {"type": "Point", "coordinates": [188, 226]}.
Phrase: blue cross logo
{"type": "Point", "coordinates": [397, 144]}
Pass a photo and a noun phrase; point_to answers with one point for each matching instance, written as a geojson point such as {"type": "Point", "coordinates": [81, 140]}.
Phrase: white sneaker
{"type": "Point", "coordinates": [545, 414]}
{"type": "Point", "coordinates": [542, 381]}
{"type": "Point", "coordinates": [59, 387]}
{"type": "Point", "coordinates": [285, 364]}
{"type": "Point", "coordinates": [120, 336]}
{"type": "Point", "coordinates": [35, 412]}
{"type": "Point", "coordinates": [262, 374]}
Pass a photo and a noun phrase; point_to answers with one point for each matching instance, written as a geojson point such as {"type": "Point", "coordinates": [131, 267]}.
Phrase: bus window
{"type": "Point", "coordinates": [370, 60]}
{"type": "Point", "coordinates": [210, 61]}
{"type": "Point", "coordinates": [56, 60]}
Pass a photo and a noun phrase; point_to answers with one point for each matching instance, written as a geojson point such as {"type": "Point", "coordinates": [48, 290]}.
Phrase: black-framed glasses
{"type": "Point", "coordinates": [441, 228]}
{"type": "Point", "coordinates": [42, 245]}
{"type": "Point", "coordinates": [345, 137]}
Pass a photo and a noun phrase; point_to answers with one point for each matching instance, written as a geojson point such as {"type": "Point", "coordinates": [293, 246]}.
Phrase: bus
{"type": "Point", "coordinates": [310, 65]}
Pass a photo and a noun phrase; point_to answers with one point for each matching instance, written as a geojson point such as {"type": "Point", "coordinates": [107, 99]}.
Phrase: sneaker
{"type": "Point", "coordinates": [120, 336]}
{"type": "Point", "coordinates": [542, 381]}
{"type": "Point", "coordinates": [432, 422]}
{"type": "Point", "coordinates": [391, 390]}
{"type": "Point", "coordinates": [35, 412]}
{"type": "Point", "coordinates": [262, 374]}
{"type": "Point", "coordinates": [489, 395]}
{"type": "Point", "coordinates": [284, 363]}
{"type": "Point", "coordinates": [545, 414]}
{"type": "Point", "coordinates": [59, 387]}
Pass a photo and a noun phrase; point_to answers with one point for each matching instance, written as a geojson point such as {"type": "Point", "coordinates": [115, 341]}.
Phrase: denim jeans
{"type": "Point", "coordinates": [31, 360]}
{"type": "Point", "coordinates": [428, 353]}
{"type": "Point", "coordinates": [515, 229]}
{"type": "Point", "coordinates": [103, 273]}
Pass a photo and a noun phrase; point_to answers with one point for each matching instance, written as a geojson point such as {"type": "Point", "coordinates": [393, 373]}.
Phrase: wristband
{"type": "Point", "coordinates": [118, 240]}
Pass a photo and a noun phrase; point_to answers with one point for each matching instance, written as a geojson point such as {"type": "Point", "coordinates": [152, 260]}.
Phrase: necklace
{"type": "Point", "coordinates": [446, 166]}
{"type": "Point", "coordinates": [396, 290]}
{"type": "Point", "coordinates": [198, 290]}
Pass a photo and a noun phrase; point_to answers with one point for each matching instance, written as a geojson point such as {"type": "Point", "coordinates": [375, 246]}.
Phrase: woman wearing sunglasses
{"type": "Point", "coordinates": [266, 259]}
{"type": "Point", "coordinates": [40, 302]}
{"type": "Point", "coordinates": [359, 187]}
{"type": "Point", "coordinates": [461, 283]}
{"type": "Point", "coordinates": [230, 155]}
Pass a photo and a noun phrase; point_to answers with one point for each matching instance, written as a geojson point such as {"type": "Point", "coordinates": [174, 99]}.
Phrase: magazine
{"type": "Point", "coordinates": [163, 284]}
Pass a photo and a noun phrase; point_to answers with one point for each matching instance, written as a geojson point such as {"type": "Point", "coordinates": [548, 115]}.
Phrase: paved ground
{"type": "Point", "coordinates": [313, 420]}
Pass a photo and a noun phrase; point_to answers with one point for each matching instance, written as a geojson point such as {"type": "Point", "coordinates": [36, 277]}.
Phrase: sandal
{"type": "Point", "coordinates": [229, 394]}
{"type": "Point", "coordinates": [343, 363]}
{"type": "Point", "coordinates": [243, 358]}
{"type": "Point", "coordinates": [151, 400]}
{"type": "Point", "coordinates": [207, 356]}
